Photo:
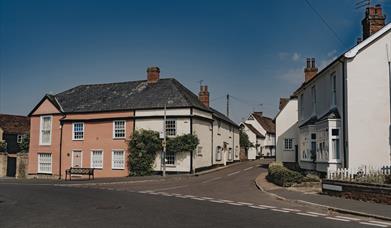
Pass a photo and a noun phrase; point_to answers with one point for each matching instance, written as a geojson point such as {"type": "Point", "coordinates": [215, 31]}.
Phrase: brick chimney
{"type": "Point", "coordinates": [310, 71]}
{"type": "Point", "coordinates": [153, 74]}
{"type": "Point", "coordinates": [373, 21]}
{"type": "Point", "coordinates": [203, 95]}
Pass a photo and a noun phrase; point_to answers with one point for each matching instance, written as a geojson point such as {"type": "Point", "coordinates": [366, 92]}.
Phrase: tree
{"type": "Point", "coordinates": [243, 140]}
{"type": "Point", "coordinates": [183, 143]}
{"type": "Point", "coordinates": [143, 147]}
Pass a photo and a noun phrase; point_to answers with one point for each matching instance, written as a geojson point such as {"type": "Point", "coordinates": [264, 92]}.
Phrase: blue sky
{"type": "Point", "coordinates": [254, 50]}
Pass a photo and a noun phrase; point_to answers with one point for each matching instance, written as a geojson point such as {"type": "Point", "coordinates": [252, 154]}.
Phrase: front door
{"type": "Point", "coordinates": [11, 167]}
{"type": "Point", "coordinates": [76, 159]}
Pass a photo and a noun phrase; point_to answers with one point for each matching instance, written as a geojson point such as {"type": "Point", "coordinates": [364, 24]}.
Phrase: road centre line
{"type": "Point", "coordinates": [261, 205]}
{"type": "Point", "coordinates": [236, 204]}
{"type": "Point", "coordinates": [248, 168]}
{"type": "Point", "coordinates": [316, 213]}
{"type": "Point", "coordinates": [348, 218]}
{"type": "Point", "coordinates": [210, 180]}
{"type": "Point", "coordinates": [289, 209]}
{"type": "Point", "coordinates": [337, 219]}
{"type": "Point", "coordinates": [381, 222]}
{"type": "Point", "coordinates": [280, 210]}
{"type": "Point", "coordinates": [373, 224]}
{"type": "Point", "coordinates": [233, 173]}
{"type": "Point", "coordinates": [306, 214]}
{"type": "Point", "coordinates": [258, 207]}
{"type": "Point", "coordinates": [170, 188]}
{"type": "Point", "coordinates": [217, 201]}
{"type": "Point", "coordinates": [244, 203]}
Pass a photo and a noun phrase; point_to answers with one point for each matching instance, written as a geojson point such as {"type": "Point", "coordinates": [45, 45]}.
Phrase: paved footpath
{"type": "Point", "coordinates": [225, 198]}
{"type": "Point", "coordinates": [354, 206]}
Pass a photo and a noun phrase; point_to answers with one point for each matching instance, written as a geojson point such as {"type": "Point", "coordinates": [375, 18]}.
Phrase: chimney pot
{"type": "Point", "coordinates": [203, 95]}
{"type": "Point", "coordinates": [373, 21]}
{"type": "Point", "coordinates": [153, 74]}
{"type": "Point", "coordinates": [310, 71]}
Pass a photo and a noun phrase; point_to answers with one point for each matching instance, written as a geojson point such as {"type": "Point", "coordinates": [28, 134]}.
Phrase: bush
{"type": "Point", "coordinates": [311, 178]}
{"type": "Point", "coordinates": [143, 147]}
{"type": "Point", "coordinates": [282, 176]}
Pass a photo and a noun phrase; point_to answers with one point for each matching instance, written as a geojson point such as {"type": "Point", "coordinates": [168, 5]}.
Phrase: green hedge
{"type": "Point", "coordinates": [282, 176]}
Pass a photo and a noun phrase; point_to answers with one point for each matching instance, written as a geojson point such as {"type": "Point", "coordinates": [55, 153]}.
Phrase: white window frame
{"type": "Point", "coordinates": [19, 138]}
{"type": "Point", "coordinates": [73, 131]}
{"type": "Point", "coordinates": [41, 129]}
{"type": "Point", "coordinates": [288, 141]}
{"type": "Point", "coordinates": [114, 129]}
{"type": "Point", "coordinates": [167, 129]}
{"type": "Point", "coordinates": [331, 147]}
{"type": "Point", "coordinates": [39, 162]}
{"type": "Point", "coordinates": [91, 156]}
{"type": "Point", "coordinates": [81, 157]}
{"type": "Point", "coordinates": [168, 164]}
{"type": "Point", "coordinates": [112, 159]}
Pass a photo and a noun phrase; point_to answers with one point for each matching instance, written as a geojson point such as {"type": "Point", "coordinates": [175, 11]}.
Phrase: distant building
{"type": "Point", "coordinates": [262, 133]}
{"type": "Point", "coordinates": [13, 130]}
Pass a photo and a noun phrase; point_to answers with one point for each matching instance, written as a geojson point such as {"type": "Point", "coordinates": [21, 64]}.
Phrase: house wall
{"type": "Point", "coordinates": [156, 124]}
{"type": "Point", "coordinates": [203, 153]}
{"type": "Point", "coordinates": [236, 141]}
{"type": "Point", "coordinates": [98, 134]}
{"type": "Point", "coordinates": [286, 128]}
{"type": "Point", "coordinates": [223, 136]}
{"type": "Point", "coordinates": [252, 151]}
{"type": "Point", "coordinates": [368, 105]}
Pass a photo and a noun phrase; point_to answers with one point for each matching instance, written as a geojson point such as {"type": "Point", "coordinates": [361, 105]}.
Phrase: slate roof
{"type": "Point", "coordinates": [130, 95]}
{"type": "Point", "coordinates": [223, 117]}
{"type": "Point", "coordinates": [266, 122]}
{"type": "Point", "coordinates": [13, 124]}
{"type": "Point", "coordinates": [332, 114]}
{"type": "Point", "coordinates": [254, 130]}
{"type": "Point", "coordinates": [127, 96]}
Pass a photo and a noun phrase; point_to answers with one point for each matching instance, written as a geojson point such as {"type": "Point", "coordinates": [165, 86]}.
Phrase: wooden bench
{"type": "Point", "coordinates": [80, 171]}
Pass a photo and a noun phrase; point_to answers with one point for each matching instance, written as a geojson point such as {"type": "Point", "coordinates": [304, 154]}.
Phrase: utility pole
{"type": "Point", "coordinates": [164, 141]}
{"type": "Point", "coordinates": [227, 105]}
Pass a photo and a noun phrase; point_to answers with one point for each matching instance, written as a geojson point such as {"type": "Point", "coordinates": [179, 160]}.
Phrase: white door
{"type": "Point", "coordinates": [76, 159]}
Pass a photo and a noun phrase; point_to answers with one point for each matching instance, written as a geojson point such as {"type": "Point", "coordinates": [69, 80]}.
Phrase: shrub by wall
{"type": "Point", "coordinates": [282, 176]}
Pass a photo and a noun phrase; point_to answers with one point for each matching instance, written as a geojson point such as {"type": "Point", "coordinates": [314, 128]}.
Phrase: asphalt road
{"type": "Point", "coordinates": [226, 198]}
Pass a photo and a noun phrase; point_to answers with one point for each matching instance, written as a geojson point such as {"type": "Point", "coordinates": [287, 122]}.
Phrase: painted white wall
{"type": "Point", "coordinates": [160, 112]}
{"type": "Point", "coordinates": [223, 135]}
{"type": "Point", "coordinates": [203, 154]}
{"type": "Point", "coordinates": [286, 128]}
{"type": "Point", "coordinates": [368, 105]}
{"type": "Point", "coordinates": [236, 142]}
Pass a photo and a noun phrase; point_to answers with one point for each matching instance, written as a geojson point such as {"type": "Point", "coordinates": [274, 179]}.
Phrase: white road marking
{"type": "Point", "coordinates": [289, 209]}
{"type": "Point", "coordinates": [244, 203]}
{"type": "Point", "coordinates": [217, 201]}
{"type": "Point", "coordinates": [316, 213]}
{"type": "Point", "coordinates": [381, 222]}
{"type": "Point", "coordinates": [233, 173]}
{"type": "Point", "coordinates": [190, 196]}
{"type": "Point", "coordinates": [279, 210]}
{"type": "Point", "coordinates": [154, 193]}
{"type": "Point", "coordinates": [258, 207]}
{"type": "Point", "coordinates": [170, 188]}
{"type": "Point", "coordinates": [349, 218]}
{"type": "Point", "coordinates": [306, 214]}
{"type": "Point", "coordinates": [143, 192]}
{"type": "Point", "coordinates": [227, 201]}
{"type": "Point", "coordinates": [261, 205]}
{"type": "Point", "coordinates": [236, 204]}
{"type": "Point", "coordinates": [207, 198]}
{"type": "Point", "coordinates": [198, 198]}
{"type": "Point", "coordinates": [210, 180]}
{"type": "Point", "coordinates": [373, 224]}
{"type": "Point", "coordinates": [337, 219]}
{"type": "Point", "coordinates": [248, 168]}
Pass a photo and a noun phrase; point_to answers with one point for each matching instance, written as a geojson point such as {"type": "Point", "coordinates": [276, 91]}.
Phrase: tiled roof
{"type": "Point", "coordinates": [266, 122]}
{"type": "Point", "coordinates": [254, 130]}
{"type": "Point", "coordinates": [14, 124]}
{"type": "Point", "coordinates": [223, 117]}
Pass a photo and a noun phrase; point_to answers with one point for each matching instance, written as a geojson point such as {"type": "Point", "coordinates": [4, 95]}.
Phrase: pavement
{"type": "Point", "coordinates": [224, 198]}
{"type": "Point", "coordinates": [343, 205]}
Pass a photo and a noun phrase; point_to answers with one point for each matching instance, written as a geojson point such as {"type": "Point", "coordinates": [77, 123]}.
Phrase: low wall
{"type": "Point", "coordinates": [3, 164]}
{"type": "Point", "coordinates": [21, 165]}
{"type": "Point", "coordinates": [358, 191]}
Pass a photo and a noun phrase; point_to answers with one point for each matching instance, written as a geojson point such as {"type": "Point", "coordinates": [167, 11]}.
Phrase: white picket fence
{"type": "Point", "coordinates": [364, 174]}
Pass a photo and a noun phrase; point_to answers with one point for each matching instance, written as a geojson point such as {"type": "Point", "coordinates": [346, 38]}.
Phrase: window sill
{"type": "Point", "coordinates": [118, 169]}
{"type": "Point", "coordinates": [122, 138]}
{"type": "Point", "coordinates": [170, 166]}
{"type": "Point", "coordinates": [45, 144]}
{"type": "Point", "coordinates": [77, 139]}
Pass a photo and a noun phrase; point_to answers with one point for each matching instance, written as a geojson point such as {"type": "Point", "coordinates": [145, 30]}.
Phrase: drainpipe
{"type": "Point", "coordinates": [344, 89]}
{"type": "Point", "coordinates": [61, 129]}
{"type": "Point", "coordinates": [389, 85]}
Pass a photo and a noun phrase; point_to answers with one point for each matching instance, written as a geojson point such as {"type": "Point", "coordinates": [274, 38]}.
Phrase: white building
{"type": "Point", "coordinates": [344, 110]}
{"type": "Point", "coordinates": [187, 113]}
{"type": "Point", "coordinates": [262, 135]}
{"type": "Point", "coordinates": [287, 131]}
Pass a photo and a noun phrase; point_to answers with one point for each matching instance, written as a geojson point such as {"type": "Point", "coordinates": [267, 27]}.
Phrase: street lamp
{"type": "Point", "coordinates": [165, 137]}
